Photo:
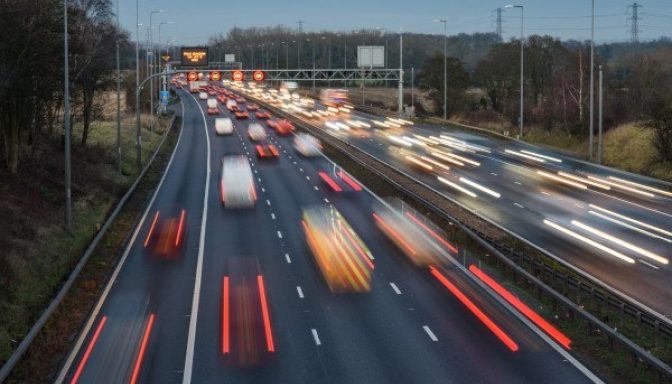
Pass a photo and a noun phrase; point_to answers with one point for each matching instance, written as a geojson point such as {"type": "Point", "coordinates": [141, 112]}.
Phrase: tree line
{"type": "Point", "coordinates": [32, 63]}
{"type": "Point", "coordinates": [483, 73]}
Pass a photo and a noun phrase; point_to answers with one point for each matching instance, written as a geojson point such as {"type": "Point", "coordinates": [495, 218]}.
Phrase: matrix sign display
{"type": "Point", "coordinates": [195, 56]}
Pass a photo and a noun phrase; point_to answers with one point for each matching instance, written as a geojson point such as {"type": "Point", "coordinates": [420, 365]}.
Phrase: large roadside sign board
{"type": "Point", "coordinates": [194, 56]}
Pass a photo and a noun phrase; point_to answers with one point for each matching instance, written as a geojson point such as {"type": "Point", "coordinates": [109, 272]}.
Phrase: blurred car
{"type": "Point", "coordinates": [222, 99]}
{"type": "Point", "coordinates": [203, 95]}
{"type": "Point", "coordinates": [212, 92]}
{"type": "Point", "coordinates": [252, 107]}
{"type": "Point", "coordinates": [414, 235]}
{"type": "Point", "coordinates": [342, 257]}
{"type": "Point", "coordinates": [166, 234]}
{"type": "Point", "coordinates": [237, 187]}
{"type": "Point", "coordinates": [212, 102]}
{"type": "Point", "coordinates": [256, 132]}
{"type": "Point", "coordinates": [240, 114]}
{"type": "Point", "coordinates": [213, 111]}
{"type": "Point", "coordinates": [267, 151]}
{"type": "Point", "coordinates": [223, 126]}
{"type": "Point", "coordinates": [281, 126]}
{"type": "Point", "coordinates": [307, 145]}
{"type": "Point", "coordinates": [263, 114]}
{"type": "Point", "coordinates": [247, 330]}
{"type": "Point", "coordinates": [240, 100]}
{"type": "Point", "coordinates": [231, 105]}
{"type": "Point", "coordinates": [339, 181]}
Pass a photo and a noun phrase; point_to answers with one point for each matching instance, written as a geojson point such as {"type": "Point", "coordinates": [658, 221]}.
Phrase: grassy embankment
{"type": "Point", "coordinates": [39, 252]}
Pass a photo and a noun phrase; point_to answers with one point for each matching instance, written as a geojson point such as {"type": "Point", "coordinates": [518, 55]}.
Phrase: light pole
{"type": "Point", "coordinates": [118, 95]}
{"type": "Point", "coordinates": [159, 55]}
{"type": "Point", "coordinates": [592, 80]}
{"type": "Point", "coordinates": [345, 57]}
{"type": "Point", "coordinates": [66, 121]}
{"type": "Point", "coordinates": [522, 65]}
{"type": "Point", "coordinates": [151, 47]}
{"type": "Point", "coordinates": [138, 137]}
{"type": "Point", "coordinates": [600, 103]}
{"type": "Point", "coordinates": [445, 66]}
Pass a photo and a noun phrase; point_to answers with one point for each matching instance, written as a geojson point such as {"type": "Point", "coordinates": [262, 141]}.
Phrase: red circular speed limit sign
{"type": "Point", "coordinates": [192, 76]}
{"type": "Point", "coordinates": [215, 76]}
{"type": "Point", "coordinates": [258, 75]}
{"type": "Point", "coordinates": [237, 76]}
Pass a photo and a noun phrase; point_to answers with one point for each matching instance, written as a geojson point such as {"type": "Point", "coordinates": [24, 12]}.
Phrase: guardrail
{"type": "Point", "coordinates": [438, 203]}
{"type": "Point", "coordinates": [44, 317]}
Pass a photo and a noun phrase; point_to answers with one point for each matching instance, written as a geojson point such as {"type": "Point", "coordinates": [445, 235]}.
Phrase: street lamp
{"type": "Point", "coordinates": [151, 47]}
{"type": "Point", "coordinates": [592, 80]}
{"type": "Point", "coordinates": [66, 121]}
{"type": "Point", "coordinates": [522, 63]}
{"type": "Point", "coordinates": [445, 66]}
{"type": "Point", "coordinates": [118, 95]}
{"type": "Point", "coordinates": [163, 78]}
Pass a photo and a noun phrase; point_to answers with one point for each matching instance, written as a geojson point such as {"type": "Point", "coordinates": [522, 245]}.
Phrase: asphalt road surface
{"type": "Point", "coordinates": [162, 319]}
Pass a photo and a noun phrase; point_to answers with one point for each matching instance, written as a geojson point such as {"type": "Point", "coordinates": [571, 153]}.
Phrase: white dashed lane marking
{"type": "Point", "coordinates": [316, 336]}
{"type": "Point", "coordinates": [431, 334]}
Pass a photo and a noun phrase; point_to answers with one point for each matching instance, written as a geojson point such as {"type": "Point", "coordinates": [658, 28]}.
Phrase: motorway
{"type": "Point", "coordinates": [161, 318]}
{"type": "Point", "coordinates": [611, 225]}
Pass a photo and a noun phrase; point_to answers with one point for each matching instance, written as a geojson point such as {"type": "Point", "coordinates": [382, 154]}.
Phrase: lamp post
{"type": "Point", "coordinates": [118, 96]}
{"type": "Point", "coordinates": [151, 47]}
{"type": "Point", "coordinates": [159, 55]}
{"type": "Point", "coordinates": [345, 58]}
{"type": "Point", "coordinates": [592, 80]}
{"type": "Point", "coordinates": [445, 66]}
{"type": "Point", "coordinates": [66, 121]}
{"type": "Point", "coordinates": [522, 65]}
{"type": "Point", "coordinates": [138, 137]}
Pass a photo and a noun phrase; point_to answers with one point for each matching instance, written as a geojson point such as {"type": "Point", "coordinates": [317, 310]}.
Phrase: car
{"type": "Point", "coordinates": [213, 111]}
{"type": "Point", "coordinates": [166, 234]}
{"type": "Point", "coordinates": [240, 114]}
{"type": "Point", "coordinates": [307, 145]}
{"type": "Point", "coordinates": [415, 236]}
{"type": "Point", "coordinates": [256, 132]}
{"type": "Point", "coordinates": [240, 100]}
{"type": "Point", "coordinates": [212, 92]}
{"type": "Point", "coordinates": [262, 114]}
{"type": "Point", "coordinates": [212, 102]}
{"type": "Point", "coordinates": [222, 99]}
{"type": "Point", "coordinates": [223, 126]}
{"type": "Point", "coordinates": [237, 188]}
{"type": "Point", "coordinates": [281, 126]}
{"type": "Point", "coordinates": [342, 257]}
{"type": "Point", "coordinates": [247, 339]}
{"type": "Point", "coordinates": [231, 105]}
{"type": "Point", "coordinates": [203, 95]}
{"type": "Point", "coordinates": [252, 107]}
{"type": "Point", "coordinates": [339, 181]}
{"type": "Point", "coordinates": [267, 151]}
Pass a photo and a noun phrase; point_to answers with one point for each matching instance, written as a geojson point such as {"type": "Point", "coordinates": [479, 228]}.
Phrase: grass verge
{"type": "Point", "coordinates": [42, 258]}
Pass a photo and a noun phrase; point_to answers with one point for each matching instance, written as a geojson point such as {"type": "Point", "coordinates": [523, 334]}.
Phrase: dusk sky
{"type": "Point", "coordinates": [196, 20]}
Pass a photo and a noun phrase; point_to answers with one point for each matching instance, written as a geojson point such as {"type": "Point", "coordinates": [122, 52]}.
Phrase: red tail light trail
{"type": "Point", "coordinates": [89, 349]}
{"type": "Point", "coordinates": [522, 308]}
{"type": "Point", "coordinates": [494, 328]}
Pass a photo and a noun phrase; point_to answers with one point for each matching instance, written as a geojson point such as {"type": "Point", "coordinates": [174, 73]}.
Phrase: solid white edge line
{"type": "Point", "coordinates": [113, 278]}
{"type": "Point", "coordinates": [193, 318]}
